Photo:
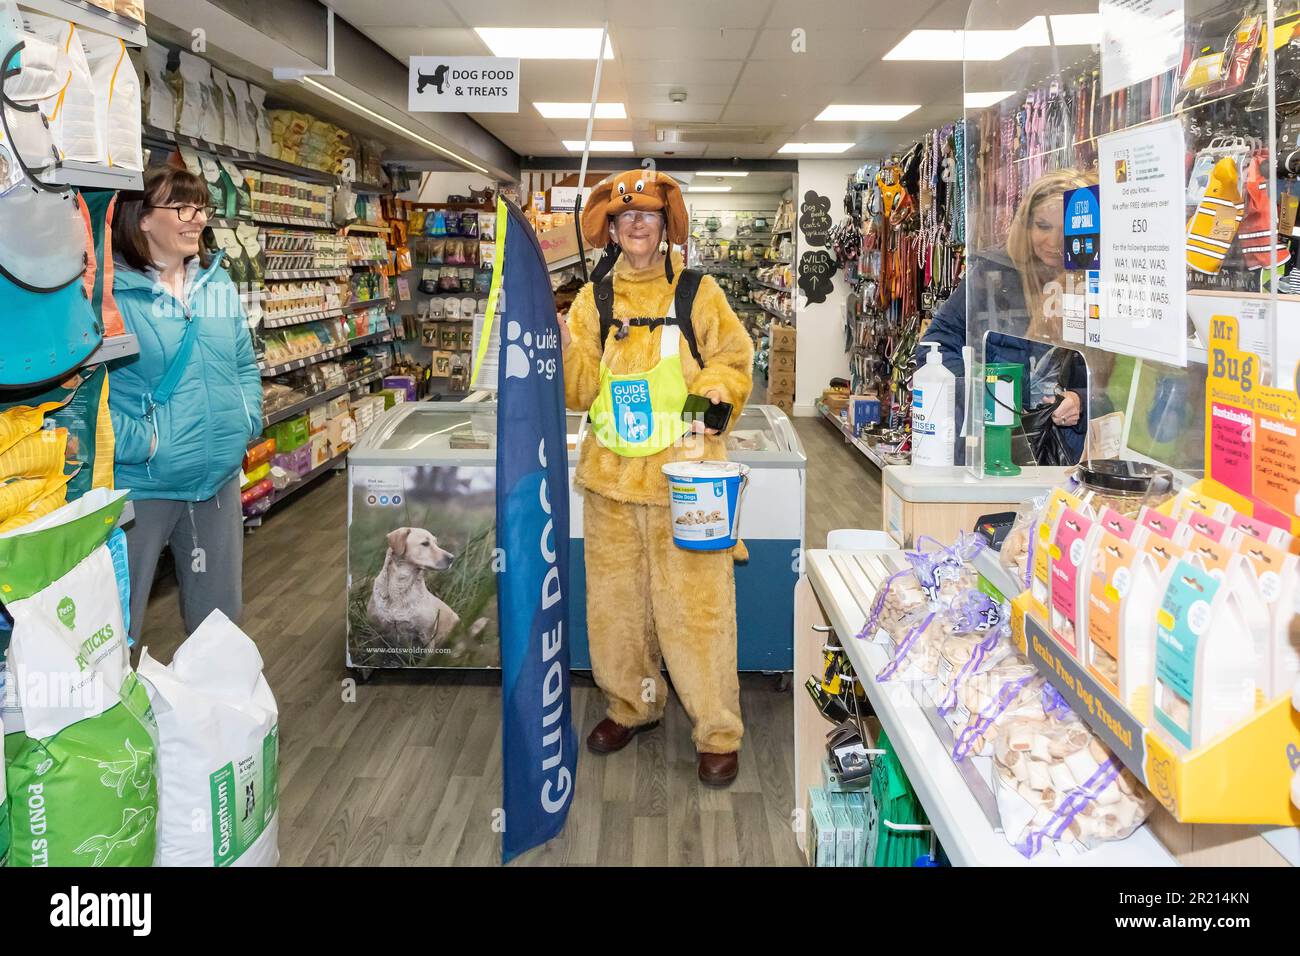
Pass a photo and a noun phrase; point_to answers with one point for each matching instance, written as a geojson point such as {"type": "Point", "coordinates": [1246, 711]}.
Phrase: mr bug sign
{"type": "Point", "coordinates": [463, 84]}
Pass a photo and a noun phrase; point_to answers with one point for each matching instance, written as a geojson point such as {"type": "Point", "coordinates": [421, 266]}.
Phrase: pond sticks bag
{"type": "Point", "coordinates": [79, 735]}
{"type": "Point", "coordinates": [218, 745]}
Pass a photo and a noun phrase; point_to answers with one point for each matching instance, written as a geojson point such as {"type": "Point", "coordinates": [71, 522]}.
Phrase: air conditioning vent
{"type": "Point", "coordinates": [714, 133]}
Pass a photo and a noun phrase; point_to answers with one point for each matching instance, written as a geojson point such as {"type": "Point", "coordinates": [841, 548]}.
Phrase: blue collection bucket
{"type": "Point", "coordinates": [704, 498]}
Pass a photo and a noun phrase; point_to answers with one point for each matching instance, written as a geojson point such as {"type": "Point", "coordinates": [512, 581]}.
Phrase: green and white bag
{"type": "Point", "coordinates": [79, 733]}
{"type": "Point", "coordinates": [218, 750]}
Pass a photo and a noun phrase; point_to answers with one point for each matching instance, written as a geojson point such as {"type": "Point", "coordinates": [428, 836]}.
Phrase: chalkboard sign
{"type": "Point", "coordinates": [816, 274]}
{"type": "Point", "coordinates": [815, 219]}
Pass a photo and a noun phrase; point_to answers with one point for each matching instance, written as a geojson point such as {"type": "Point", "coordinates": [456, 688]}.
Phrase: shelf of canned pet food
{"type": "Point", "coordinates": [270, 371]}
{"type": "Point", "coordinates": [311, 401]}
{"type": "Point", "coordinates": [95, 18]}
{"type": "Point", "coordinates": [295, 275]}
{"type": "Point", "coordinates": [843, 582]}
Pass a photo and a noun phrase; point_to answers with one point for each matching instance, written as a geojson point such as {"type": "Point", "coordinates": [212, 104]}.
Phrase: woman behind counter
{"type": "Point", "coordinates": [1019, 289]}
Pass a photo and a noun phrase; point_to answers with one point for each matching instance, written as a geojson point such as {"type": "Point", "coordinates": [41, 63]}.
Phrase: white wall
{"type": "Point", "coordinates": [819, 353]}
{"type": "Point", "coordinates": [699, 203]}
{"type": "Point", "coordinates": [438, 186]}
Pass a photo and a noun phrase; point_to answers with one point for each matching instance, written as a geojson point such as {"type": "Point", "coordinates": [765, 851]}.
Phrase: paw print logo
{"type": "Point", "coordinates": [519, 357]}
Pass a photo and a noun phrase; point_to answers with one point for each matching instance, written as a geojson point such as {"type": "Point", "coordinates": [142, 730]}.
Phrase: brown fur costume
{"type": "Point", "coordinates": [647, 598]}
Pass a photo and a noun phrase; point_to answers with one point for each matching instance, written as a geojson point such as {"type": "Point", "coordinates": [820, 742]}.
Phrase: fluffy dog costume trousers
{"type": "Point", "coordinates": [651, 602]}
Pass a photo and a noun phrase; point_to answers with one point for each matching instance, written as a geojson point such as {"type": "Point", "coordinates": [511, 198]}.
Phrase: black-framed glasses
{"type": "Point", "coordinates": [186, 212]}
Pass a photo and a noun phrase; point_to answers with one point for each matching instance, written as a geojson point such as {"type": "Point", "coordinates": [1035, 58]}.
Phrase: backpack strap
{"type": "Point", "coordinates": [688, 284]}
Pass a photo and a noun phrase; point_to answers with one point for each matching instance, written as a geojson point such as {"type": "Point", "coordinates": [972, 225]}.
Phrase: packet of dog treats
{"type": "Point", "coordinates": [1157, 522]}
{"type": "Point", "coordinates": [1070, 558]}
{"type": "Point", "coordinates": [1277, 573]}
{"type": "Point", "coordinates": [1196, 502]}
{"type": "Point", "coordinates": [1040, 556]}
{"type": "Point", "coordinates": [1224, 563]}
{"type": "Point", "coordinates": [1262, 531]}
{"type": "Point", "coordinates": [1205, 663]}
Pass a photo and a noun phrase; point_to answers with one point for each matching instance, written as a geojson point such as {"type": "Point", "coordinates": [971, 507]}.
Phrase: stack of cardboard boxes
{"type": "Point", "coordinates": [780, 368]}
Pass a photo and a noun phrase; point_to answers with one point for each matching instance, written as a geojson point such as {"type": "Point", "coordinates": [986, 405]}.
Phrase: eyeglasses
{"type": "Point", "coordinates": [186, 212]}
{"type": "Point", "coordinates": [638, 215]}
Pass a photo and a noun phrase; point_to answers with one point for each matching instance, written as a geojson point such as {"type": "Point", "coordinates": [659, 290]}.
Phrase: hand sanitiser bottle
{"type": "Point", "coordinates": [934, 412]}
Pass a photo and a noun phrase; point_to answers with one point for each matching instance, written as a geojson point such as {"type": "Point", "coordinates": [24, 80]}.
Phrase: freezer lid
{"type": "Point", "coordinates": [764, 435]}
{"type": "Point", "coordinates": [423, 431]}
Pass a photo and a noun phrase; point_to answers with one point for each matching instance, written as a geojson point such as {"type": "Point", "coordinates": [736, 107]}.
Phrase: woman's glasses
{"type": "Point", "coordinates": [186, 212]}
{"type": "Point", "coordinates": [637, 215]}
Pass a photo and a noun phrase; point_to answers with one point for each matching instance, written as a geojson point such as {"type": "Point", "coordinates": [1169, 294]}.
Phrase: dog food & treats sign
{"type": "Point", "coordinates": [463, 84]}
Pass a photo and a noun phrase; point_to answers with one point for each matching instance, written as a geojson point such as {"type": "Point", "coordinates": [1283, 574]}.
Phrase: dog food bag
{"type": "Point", "coordinates": [195, 114]}
{"type": "Point", "coordinates": [89, 424]}
{"type": "Point", "coordinates": [71, 112]}
{"type": "Point", "coordinates": [79, 733]}
{"type": "Point", "coordinates": [19, 421]}
{"type": "Point", "coordinates": [1040, 553]}
{"type": "Point", "coordinates": [117, 98]}
{"type": "Point", "coordinates": [1070, 554]}
{"type": "Point", "coordinates": [225, 101]}
{"type": "Point", "coordinates": [1059, 785]}
{"type": "Point", "coordinates": [1277, 573]}
{"type": "Point", "coordinates": [1206, 665]}
{"type": "Point", "coordinates": [160, 103]}
{"type": "Point", "coordinates": [245, 115]}
{"type": "Point", "coordinates": [218, 751]}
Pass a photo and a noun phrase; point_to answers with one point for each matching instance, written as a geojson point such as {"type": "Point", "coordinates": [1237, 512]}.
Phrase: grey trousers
{"type": "Point", "coordinates": [207, 542]}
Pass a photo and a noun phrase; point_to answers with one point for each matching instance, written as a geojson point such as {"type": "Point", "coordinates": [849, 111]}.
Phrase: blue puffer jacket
{"type": "Point", "coordinates": [205, 427]}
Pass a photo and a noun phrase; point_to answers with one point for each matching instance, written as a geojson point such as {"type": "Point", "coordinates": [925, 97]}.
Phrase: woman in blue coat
{"type": "Point", "coordinates": [185, 407]}
{"type": "Point", "coordinates": [1016, 294]}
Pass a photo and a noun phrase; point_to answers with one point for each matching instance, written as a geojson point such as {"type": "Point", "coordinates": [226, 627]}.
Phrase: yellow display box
{"type": "Point", "coordinates": [1243, 776]}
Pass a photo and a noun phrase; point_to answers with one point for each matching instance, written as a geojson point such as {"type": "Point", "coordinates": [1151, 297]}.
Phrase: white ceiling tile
{"type": "Point", "coordinates": [707, 14]}
{"type": "Point", "coordinates": [512, 13]}
{"type": "Point", "coordinates": [396, 13]}
{"type": "Point", "coordinates": [684, 72]}
{"type": "Point", "coordinates": [882, 15]}
{"type": "Point", "coordinates": [860, 44]}
{"type": "Point", "coordinates": [664, 112]}
{"type": "Point", "coordinates": [693, 42]}
{"type": "Point", "coordinates": [711, 94]}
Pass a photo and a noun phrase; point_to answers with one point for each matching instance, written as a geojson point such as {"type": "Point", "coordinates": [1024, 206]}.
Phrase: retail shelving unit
{"type": "Point", "coordinates": [838, 421]}
{"type": "Point", "coordinates": [132, 32]}
{"type": "Point", "coordinates": [297, 408]}
{"type": "Point", "coordinates": [959, 818]}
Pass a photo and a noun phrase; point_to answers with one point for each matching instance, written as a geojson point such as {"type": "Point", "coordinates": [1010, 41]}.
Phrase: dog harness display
{"type": "Point", "coordinates": [640, 414]}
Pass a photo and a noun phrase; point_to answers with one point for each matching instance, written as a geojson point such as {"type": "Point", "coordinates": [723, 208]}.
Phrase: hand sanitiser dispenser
{"type": "Point", "coordinates": [934, 417]}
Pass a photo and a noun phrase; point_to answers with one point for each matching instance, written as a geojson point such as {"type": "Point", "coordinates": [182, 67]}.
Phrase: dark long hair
{"type": "Point", "coordinates": [162, 184]}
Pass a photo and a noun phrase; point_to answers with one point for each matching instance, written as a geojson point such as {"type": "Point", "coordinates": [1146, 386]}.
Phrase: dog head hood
{"type": "Point", "coordinates": [647, 190]}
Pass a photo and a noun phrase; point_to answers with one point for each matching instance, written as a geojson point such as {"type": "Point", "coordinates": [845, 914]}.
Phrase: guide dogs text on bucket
{"type": "Point", "coordinates": [132, 910]}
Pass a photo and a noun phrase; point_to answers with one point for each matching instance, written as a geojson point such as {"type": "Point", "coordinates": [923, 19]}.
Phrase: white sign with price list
{"type": "Point", "coordinates": [1143, 270]}
{"type": "Point", "coordinates": [463, 84]}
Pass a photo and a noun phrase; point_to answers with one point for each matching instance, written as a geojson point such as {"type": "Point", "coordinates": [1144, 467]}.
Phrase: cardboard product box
{"type": "Point", "coordinates": [863, 410]}
{"type": "Point", "coordinates": [780, 362]}
{"type": "Point", "coordinates": [393, 396]}
{"type": "Point", "coordinates": [780, 383]}
{"type": "Point", "coordinates": [558, 243]}
{"type": "Point", "coordinates": [320, 449]}
{"type": "Point", "coordinates": [337, 406]}
{"type": "Point", "coordinates": [316, 418]}
{"type": "Point", "coordinates": [405, 383]}
{"type": "Point", "coordinates": [782, 338]}
{"type": "Point", "coordinates": [290, 434]}
{"type": "Point", "coordinates": [785, 404]}
{"type": "Point", "coordinates": [342, 430]}
{"type": "Point", "coordinates": [822, 837]}
{"type": "Point", "coordinates": [296, 462]}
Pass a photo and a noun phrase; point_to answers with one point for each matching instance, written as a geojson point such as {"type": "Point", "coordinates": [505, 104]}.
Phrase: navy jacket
{"type": "Point", "coordinates": [992, 282]}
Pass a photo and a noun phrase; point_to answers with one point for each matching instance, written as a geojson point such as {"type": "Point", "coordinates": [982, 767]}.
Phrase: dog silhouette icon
{"type": "Point", "coordinates": [438, 78]}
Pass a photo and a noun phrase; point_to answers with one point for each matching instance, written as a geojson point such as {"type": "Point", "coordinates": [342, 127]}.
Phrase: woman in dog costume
{"type": "Point", "coordinates": [640, 337]}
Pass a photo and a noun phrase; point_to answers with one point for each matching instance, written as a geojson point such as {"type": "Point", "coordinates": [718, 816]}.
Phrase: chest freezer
{"type": "Point", "coordinates": [421, 576]}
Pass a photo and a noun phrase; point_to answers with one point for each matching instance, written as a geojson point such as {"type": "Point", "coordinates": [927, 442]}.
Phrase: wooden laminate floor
{"type": "Point", "coordinates": [406, 771]}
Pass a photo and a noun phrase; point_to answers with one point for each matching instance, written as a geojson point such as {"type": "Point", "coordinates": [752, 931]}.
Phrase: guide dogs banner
{"type": "Point", "coordinates": [539, 750]}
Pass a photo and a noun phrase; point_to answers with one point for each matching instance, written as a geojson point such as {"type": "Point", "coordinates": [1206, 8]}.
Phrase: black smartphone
{"type": "Point", "coordinates": [714, 416]}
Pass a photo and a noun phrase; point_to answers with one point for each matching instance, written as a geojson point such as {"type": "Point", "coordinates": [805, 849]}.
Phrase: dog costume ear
{"type": "Point", "coordinates": [675, 217]}
{"type": "Point", "coordinates": [397, 541]}
{"type": "Point", "coordinates": [595, 213]}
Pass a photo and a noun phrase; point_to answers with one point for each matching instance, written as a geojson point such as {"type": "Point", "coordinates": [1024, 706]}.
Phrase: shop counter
{"type": "Point", "coordinates": [940, 502]}
{"type": "Point", "coordinates": [960, 817]}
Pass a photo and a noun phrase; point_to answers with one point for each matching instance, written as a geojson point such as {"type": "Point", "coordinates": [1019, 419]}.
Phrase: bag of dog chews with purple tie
{"type": "Point", "coordinates": [218, 751]}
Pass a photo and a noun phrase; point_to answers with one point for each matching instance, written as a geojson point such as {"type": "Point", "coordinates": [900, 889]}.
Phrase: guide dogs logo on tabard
{"type": "Point", "coordinates": [632, 410]}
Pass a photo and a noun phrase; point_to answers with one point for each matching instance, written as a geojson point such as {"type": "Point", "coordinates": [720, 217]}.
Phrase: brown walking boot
{"type": "Point", "coordinates": [718, 770]}
{"type": "Point", "coordinates": [609, 736]}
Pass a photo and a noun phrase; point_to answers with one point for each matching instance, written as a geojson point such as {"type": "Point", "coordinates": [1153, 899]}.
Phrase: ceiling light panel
{"type": "Point", "coordinates": [545, 43]}
{"type": "Point", "coordinates": [600, 145]}
{"type": "Point", "coordinates": [816, 148]}
{"type": "Point", "coordinates": [865, 113]}
{"type": "Point", "coordinates": [581, 110]}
